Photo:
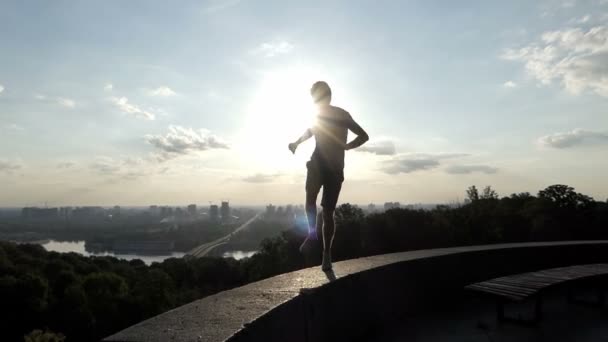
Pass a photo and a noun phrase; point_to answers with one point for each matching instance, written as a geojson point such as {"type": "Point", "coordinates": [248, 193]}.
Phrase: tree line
{"type": "Point", "coordinates": [51, 296]}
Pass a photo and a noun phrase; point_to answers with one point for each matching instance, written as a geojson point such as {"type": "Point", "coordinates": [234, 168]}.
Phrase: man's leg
{"type": "Point", "coordinates": [313, 186]}
{"type": "Point", "coordinates": [331, 191]}
{"type": "Point", "coordinates": [329, 229]}
{"type": "Point", "coordinates": [329, 232]}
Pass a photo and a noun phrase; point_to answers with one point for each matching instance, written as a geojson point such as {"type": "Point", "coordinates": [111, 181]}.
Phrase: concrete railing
{"type": "Point", "coordinates": [359, 299]}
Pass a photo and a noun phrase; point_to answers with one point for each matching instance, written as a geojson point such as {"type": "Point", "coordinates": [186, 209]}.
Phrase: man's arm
{"type": "Point", "coordinates": [361, 138]}
{"type": "Point", "coordinates": [307, 135]}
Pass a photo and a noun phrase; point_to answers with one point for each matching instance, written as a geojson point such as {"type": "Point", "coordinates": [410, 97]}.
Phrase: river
{"type": "Point", "coordinates": [78, 247]}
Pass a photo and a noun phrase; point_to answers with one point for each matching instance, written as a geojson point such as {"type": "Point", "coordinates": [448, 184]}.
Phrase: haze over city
{"type": "Point", "coordinates": [132, 104]}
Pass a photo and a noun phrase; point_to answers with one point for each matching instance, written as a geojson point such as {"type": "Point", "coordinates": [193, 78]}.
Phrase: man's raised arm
{"type": "Point", "coordinates": [305, 136]}
{"type": "Point", "coordinates": [361, 138]}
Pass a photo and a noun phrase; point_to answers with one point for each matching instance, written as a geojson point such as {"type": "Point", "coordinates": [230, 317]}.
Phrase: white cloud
{"type": "Point", "coordinates": [105, 165]}
{"type": "Point", "coordinates": [575, 137]}
{"type": "Point", "coordinates": [575, 58]}
{"type": "Point", "coordinates": [274, 48]}
{"type": "Point", "coordinates": [121, 169]}
{"type": "Point", "coordinates": [1, 88]}
{"type": "Point", "coordinates": [68, 103]}
{"type": "Point", "coordinates": [214, 6]}
{"type": "Point", "coordinates": [381, 148]}
{"type": "Point", "coordinates": [182, 141]}
{"type": "Point", "coordinates": [161, 91]}
{"type": "Point", "coordinates": [407, 163]}
{"type": "Point", "coordinates": [8, 166]}
{"type": "Point", "coordinates": [40, 97]}
{"type": "Point", "coordinates": [65, 165]}
{"type": "Point", "coordinates": [261, 178]}
{"type": "Point", "coordinates": [108, 87]}
{"type": "Point", "coordinates": [467, 169]}
{"type": "Point", "coordinates": [568, 3]}
{"type": "Point", "coordinates": [123, 104]}
{"type": "Point", "coordinates": [584, 19]}
{"type": "Point", "coordinates": [13, 127]}
{"type": "Point", "coordinates": [509, 84]}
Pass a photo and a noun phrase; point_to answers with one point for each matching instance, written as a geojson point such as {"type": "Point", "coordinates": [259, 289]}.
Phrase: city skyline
{"type": "Point", "coordinates": [141, 102]}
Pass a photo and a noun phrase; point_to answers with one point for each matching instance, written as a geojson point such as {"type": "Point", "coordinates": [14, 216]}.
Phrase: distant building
{"type": "Point", "coordinates": [371, 207]}
{"type": "Point", "coordinates": [39, 213]}
{"type": "Point", "coordinates": [192, 210]}
{"type": "Point", "coordinates": [65, 213]}
{"type": "Point", "coordinates": [87, 213]}
{"type": "Point", "coordinates": [392, 205]}
{"type": "Point", "coordinates": [225, 211]}
{"type": "Point", "coordinates": [166, 212]}
{"type": "Point", "coordinates": [270, 211]}
{"type": "Point", "coordinates": [116, 211]}
{"type": "Point", "coordinates": [154, 210]}
{"type": "Point", "coordinates": [214, 213]}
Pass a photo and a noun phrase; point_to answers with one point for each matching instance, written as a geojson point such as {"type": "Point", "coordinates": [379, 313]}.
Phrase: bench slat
{"type": "Point", "coordinates": [521, 286]}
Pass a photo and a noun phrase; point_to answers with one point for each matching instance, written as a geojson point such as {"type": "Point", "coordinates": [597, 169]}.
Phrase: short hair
{"type": "Point", "coordinates": [320, 91]}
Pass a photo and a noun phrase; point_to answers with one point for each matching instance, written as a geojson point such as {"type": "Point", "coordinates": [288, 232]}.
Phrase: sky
{"type": "Point", "coordinates": [158, 102]}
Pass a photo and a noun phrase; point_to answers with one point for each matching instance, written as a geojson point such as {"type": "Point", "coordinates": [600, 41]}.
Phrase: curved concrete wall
{"type": "Point", "coordinates": [365, 295]}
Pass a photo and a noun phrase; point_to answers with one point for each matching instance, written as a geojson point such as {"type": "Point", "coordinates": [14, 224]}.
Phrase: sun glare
{"type": "Point", "coordinates": [279, 112]}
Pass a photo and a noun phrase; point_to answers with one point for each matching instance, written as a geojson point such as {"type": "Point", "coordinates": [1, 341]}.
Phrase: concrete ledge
{"type": "Point", "coordinates": [365, 295]}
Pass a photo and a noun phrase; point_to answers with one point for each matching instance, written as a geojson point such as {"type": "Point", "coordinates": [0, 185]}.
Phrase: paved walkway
{"type": "Point", "coordinates": [474, 320]}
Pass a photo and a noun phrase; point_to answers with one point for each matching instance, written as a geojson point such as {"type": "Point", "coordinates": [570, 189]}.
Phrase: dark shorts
{"type": "Point", "coordinates": [319, 176]}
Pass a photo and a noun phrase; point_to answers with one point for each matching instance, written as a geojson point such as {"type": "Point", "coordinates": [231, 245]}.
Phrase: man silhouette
{"type": "Point", "coordinates": [326, 166]}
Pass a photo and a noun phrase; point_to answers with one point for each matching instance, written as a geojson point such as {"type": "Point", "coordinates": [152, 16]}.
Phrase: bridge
{"type": "Point", "coordinates": [206, 248]}
{"type": "Point", "coordinates": [360, 300]}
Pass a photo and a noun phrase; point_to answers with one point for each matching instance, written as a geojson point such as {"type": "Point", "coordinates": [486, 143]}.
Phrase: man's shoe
{"type": "Point", "coordinates": [326, 265]}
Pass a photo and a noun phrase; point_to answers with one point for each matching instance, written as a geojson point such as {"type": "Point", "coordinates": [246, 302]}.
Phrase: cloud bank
{"type": "Point", "coordinates": [274, 48]}
{"type": "Point", "coordinates": [261, 178]}
{"type": "Point", "coordinates": [8, 166]}
{"type": "Point", "coordinates": [122, 103]}
{"type": "Point", "coordinates": [162, 92]}
{"type": "Point", "coordinates": [408, 163]}
{"type": "Point", "coordinates": [573, 138]}
{"type": "Point", "coordinates": [182, 141]}
{"type": "Point", "coordinates": [468, 169]}
{"type": "Point", "coordinates": [381, 148]}
{"type": "Point", "coordinates": [575, 58]}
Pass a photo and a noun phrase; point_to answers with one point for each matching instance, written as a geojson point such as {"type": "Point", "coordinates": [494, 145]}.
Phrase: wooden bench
{"type": "Point", "coordinates": [518, 287]}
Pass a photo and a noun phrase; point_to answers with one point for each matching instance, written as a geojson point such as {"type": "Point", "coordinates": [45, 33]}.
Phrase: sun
{"type": "Point", "coordinates": [279, 112]}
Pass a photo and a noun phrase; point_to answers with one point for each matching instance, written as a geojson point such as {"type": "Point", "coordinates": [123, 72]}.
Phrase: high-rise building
{"type": "Point", "coordinates": [87, 213]}
{"type": "Point", "coordinates": [214, 213]}
{"type": "Point", "coordinates": [39, 213]}
{"type": "Point", "coordinates": [392, 205]}
{"type": "Point", "coordinates": [65, 213]}
{"type": "Point", "coordinates": [192, 209]}
{"type": "Point", "coordinates": [166, 212]}
{"type": "Point", "coordinates": [225, 211]}
{"type": "Point", "coordinates": [270, 211]}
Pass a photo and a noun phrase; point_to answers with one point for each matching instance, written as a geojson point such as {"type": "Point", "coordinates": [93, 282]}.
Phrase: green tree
{"type": "Point", "coordinates": [43, 336]}
{"type": "Point", "coordinates": [565, 196]}
{"type": "Point", "coordinates": [472, 193]}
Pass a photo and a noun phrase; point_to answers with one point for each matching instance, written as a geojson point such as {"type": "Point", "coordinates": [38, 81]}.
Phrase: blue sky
{"type": "Point", "coordinates": [142, 102]}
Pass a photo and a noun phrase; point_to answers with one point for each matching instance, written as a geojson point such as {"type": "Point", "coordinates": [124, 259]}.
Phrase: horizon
{"type": "Point", "coordinates": [140, 102]}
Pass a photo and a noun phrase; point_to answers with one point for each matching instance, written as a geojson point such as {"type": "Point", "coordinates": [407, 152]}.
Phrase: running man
{"type": "Point", "coordinates": [326, 166]}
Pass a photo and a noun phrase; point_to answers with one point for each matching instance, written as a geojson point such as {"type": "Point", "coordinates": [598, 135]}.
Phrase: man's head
{"type": "Point", "coordinates": [321, 93]}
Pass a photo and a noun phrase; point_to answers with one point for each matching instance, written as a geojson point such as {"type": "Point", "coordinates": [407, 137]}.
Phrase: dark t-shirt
{"type": "Point", "coordinates": [330, 132]}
